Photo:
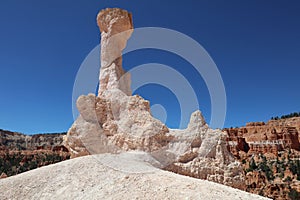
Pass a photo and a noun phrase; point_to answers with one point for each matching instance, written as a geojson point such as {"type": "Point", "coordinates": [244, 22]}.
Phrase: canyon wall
{"type": "Point", "coordinates": [259, 137]}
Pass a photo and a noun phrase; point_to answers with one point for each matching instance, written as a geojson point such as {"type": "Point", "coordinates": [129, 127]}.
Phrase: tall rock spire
{"type": "Point", "coordinates": [116, 28]}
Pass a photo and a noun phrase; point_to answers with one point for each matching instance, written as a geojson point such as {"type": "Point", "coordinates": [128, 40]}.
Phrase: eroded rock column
{"type": "Point", "coordinates": [115, 121]}
{"type": "Point", "coordinates": [116, 27]}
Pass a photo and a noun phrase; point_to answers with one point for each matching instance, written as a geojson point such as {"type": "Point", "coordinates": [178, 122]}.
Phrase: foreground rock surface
{"type": "Point", "coordinates": [87, 178]}
{"type": "Point", "coordinates": [115, 121]}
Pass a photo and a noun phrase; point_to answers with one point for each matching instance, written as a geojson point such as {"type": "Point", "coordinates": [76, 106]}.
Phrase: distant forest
{"type": "Point", "coordinates": [294, 114]}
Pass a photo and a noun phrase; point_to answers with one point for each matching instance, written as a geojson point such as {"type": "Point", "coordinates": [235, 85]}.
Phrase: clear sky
{"type": "Point", "coordinates": [255, 45]}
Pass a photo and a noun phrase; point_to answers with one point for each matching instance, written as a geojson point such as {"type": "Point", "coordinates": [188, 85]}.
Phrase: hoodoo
{"type": "Point", "coordinates": [116, 27]}
{"type": "Point", "coordinates": [115, 121]}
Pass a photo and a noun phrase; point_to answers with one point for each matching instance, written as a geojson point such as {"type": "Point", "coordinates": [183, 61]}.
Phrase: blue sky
{"type": "Point", "coordinates": [255, 45]}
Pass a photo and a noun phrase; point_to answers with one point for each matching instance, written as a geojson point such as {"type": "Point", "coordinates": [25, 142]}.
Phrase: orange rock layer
{"type": "Point", "coordinates": [259, 137]}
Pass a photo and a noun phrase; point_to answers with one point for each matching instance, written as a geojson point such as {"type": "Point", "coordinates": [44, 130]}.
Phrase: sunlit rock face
{"type": "Point", "coordinates": [265, 138]}
{"type": "Point", "coordinates": [202, 153]}
{"type": "Point", "coordinates": [115, 118]}
{"type": "Point", "coordinates": [116, 27]}
{"type": "Point", "coordinates": [115, 121]}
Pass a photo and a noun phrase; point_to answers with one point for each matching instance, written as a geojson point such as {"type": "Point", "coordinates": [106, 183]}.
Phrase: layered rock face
{"type": "Point", "coordinates": [115, 121]}
{"type": "Point", "coordinates": [20, 153]}
{"type": "Point", "coordinates": [13, 141]}
{"type": "Point", "coordinates": [270, 156]}
{"type": "Point", "coordinates": [258, 137]}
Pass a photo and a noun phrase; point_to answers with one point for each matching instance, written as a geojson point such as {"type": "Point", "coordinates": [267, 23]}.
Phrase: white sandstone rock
{"type": "Point", "coordinates": [115, 121]}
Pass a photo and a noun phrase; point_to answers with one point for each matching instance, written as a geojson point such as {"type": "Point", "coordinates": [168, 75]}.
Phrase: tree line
{"type": "Point", "coordinates": [294, 114]}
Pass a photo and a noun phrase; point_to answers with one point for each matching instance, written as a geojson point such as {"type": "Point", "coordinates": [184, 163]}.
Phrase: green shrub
{"type": "Point", "coordinates": [294, 194]}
